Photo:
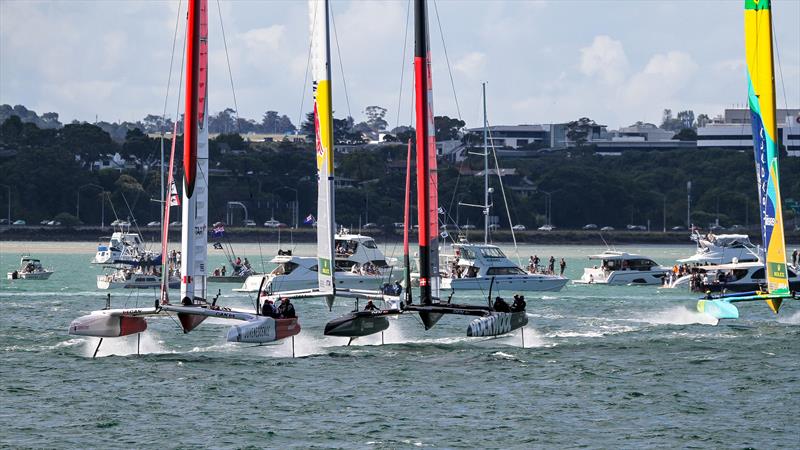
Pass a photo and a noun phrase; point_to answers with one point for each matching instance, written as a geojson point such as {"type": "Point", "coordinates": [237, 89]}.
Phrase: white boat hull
{"type": "Point", "coordinates": [288, 283]}
{"type": "Point", "coordinates": [517, 283]}
{"type": "Point", "coordinates": [104, 283]}
{"type": "Point", "coordinates": [31, 275]}
{"type": "Point", "coordinates": [622, 277]}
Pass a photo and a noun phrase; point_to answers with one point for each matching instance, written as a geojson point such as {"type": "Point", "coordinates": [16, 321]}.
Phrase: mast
{"type": "Point", "coordinates": [194, 237]}
{"type": "Point", "coordinates": [406, 226]}
{"type": "Point", "coordinates": [761, 99]}
{"type": "Point", "coordinates": [323, 120]}
{"type": "Point", "coordinates": [485, 170]}
{"type": "Point", "coordinates": [427, 183]}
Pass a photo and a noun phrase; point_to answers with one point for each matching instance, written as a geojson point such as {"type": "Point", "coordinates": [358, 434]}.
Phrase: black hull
{"type": "Point", "coordinates": [357, 324]}
{"type": "Point", "coordinates": [741, 287]}
{"type": "Point", "coordinates": [430, 314]}
{"type": "Point", "coordinates": [496, 324]}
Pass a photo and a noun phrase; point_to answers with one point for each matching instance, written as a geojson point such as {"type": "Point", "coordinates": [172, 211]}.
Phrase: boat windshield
{"type": "Point", "coordinates": [285, 268]}
{"type": "Point", "coordinates": [505, 271]}
{"type": "Point", "coordinates": [369, 244]}
{"type": "Point", "coordinates": [492, 252]}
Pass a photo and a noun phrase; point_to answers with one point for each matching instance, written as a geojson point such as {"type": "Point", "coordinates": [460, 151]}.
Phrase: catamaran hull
{"type": "Point", "coordinates": [497, 324]}
{"type": "Point", "coordinates": [741, 287]}
{"type": "Point", "coordinates": [718, 309]}
{"type": "Point", "coordinates": [357, 324]}
{"type": "Point", "coordinates": [263, 331]}
{"type": "Point", "coordinates": [103, 325]}
{"type": "Point", "coordinates": [520, 283]}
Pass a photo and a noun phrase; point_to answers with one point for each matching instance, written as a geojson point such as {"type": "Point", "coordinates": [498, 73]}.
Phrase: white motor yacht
{"type": "Point", "coordinates": [721, 249]}
{"type": "Point", "coordinates": [360, 264]}
{"type": "Point", "coordinates": [477, 267]}
{"type": "Point", "coordinates": [123, 247]}
{"type": "Point", "coordinates": [623, 268]}
{"type": "Point", "coordinates": [30, 269]}
{"type": "Point", "coordinates": [127, 278]}
{"type": "Point", "coordinates": [735, 277]}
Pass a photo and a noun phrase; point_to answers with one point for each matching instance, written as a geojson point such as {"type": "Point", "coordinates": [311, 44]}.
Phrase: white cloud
{"type": "Point", "coordinates": [472, 64]}
{"type": "Point", "coordinates": [604, 58]}
{"type": "Point", "coordinates": [664, 76]}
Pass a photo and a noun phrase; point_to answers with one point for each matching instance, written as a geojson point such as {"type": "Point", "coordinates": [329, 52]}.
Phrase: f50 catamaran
{"type": "Point", "coordinates": [761, 98]}
{"type": "Point", "coordinates": [430, 307]}
{"type": "Point", "coordinates": [194, 308]}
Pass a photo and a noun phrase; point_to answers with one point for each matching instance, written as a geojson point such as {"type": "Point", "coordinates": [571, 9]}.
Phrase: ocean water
{"type": "Point", "coordinates": [601, 367]}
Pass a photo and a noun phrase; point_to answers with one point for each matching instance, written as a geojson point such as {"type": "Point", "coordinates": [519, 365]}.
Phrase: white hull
{"type": "Point", "coordinates": [623, 277]}
{"type": "Point", "coordinates": [344, 280]}
{"type": "Point", "coordinates": [105, 282]}
{"type": "Point", "coordinates": [31, 275]}
{"type": "Point", "coordinates": [517, 283]}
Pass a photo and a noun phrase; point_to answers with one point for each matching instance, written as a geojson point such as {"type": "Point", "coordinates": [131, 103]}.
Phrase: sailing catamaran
{"type": "Point", "coordinates": [194, 307]}
{"type": "Point", "coordinates": [761, 98]}
{"type": "Point", "coordinates": [430, 306]}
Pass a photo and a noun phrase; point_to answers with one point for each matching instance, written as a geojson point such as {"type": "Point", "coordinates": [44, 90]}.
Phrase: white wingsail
{"type": "Point", "coordinates": [194, 230]}
{"type": "Point", "coordinates": [323, 121]}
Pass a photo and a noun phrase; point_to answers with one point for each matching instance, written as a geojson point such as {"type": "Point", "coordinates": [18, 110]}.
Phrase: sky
{"type": "Point", "coordinates": [616, 62]}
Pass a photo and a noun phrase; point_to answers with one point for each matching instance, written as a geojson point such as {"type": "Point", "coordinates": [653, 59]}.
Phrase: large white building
{"type": "Point", "coordinates": [734, 131]}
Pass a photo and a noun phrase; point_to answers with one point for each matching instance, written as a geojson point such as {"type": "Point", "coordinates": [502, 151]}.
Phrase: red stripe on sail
{"type": "Point", "coordinates": [191, 115]}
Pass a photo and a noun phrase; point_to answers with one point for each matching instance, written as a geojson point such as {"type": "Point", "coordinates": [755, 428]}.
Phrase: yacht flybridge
{"type": "Point", "coordinates": [622, 268]}
{"type": "Point", "coordinates": [721, 249]}
{"type": "Point", "coordinates": [485, 267]}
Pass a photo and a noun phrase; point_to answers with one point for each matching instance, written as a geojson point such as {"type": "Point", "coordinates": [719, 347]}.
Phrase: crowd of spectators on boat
{"type": "Point", "coordinates": [346, 248]}
{"type": "Point", "coordinates": [549, 269]}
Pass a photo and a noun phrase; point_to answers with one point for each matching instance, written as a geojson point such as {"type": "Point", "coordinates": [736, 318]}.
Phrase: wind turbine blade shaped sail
{"type": "Point", "coordinates": [761, 99]}
{"type": "Point", "coordinates": [323, 121]}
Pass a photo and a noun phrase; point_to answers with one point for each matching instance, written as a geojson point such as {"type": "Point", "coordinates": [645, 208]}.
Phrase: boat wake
{"type": "Point", "coordinates": [794, 319]}
{"type": "Point", "coordinates": [679, 315]}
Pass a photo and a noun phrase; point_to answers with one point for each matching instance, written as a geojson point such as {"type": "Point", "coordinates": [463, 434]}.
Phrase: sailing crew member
{"type": "Point", "coordinates": [500, 305]}
{"type": "Point", "coordinates": [268, 309]}
{"type": "Point", "coordinates": [286, 310]}
{"type": "Point", "coordinates": [371, 306]}
{"type": "Point", "coordinates": [519, 303]}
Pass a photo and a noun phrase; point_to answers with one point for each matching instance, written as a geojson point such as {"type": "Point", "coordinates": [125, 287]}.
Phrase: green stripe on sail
{"type": "Point", "coordinates": [756, 4]}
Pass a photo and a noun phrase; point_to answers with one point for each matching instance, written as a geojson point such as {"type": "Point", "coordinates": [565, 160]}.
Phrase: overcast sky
{"type": "Point", "coordinates": [545, 61]}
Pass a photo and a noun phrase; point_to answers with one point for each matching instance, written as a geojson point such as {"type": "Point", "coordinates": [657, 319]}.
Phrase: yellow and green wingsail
{"type": "Point", "coordinates": [761, 98]}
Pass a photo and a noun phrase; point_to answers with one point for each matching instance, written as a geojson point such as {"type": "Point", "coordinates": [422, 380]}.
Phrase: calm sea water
{"type": "Point", "coordinates": [602, 367]}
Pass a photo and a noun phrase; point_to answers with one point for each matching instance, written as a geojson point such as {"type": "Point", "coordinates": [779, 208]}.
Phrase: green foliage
{"type": "Point", "coordinates": [447, 128]}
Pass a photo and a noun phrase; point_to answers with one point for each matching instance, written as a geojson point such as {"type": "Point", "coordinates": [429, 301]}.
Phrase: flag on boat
{"type": "Point", "coordinates": [309, 220]}
{"type": "Point", "coordinates": [174, 198]}
{"type": "Point", "coordinates": [218, 230]}
{"type": "Point", "coordinates": [217, 246]}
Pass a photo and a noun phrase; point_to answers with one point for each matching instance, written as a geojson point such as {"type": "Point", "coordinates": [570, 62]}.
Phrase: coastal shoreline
{"type": "Point", "coordinates": [308, 235]}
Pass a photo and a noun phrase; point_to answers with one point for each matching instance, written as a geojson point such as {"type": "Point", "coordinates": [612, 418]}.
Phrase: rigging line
{"type": "Point", "coordinates": [230, 72]}
{"type": "Point", "coordinates": [449, 69]}
{"type": "Point", "coordinates": [503, 191]}
{"type": "Point", "coordinates": [341, 64]}
{"type": "Point", "coordinates": [780, 67]}
{"type": "Point", "coordinates": [171, 62]}
{"type": "Point", "coordinates": [131, 211]}
{"type": "Point", "coordinates": [305, 77]}
{"type": "Point", "coordinates": [403, 64]}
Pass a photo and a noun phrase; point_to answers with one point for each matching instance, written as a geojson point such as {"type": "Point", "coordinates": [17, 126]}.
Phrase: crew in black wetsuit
{"type": "Point", "coordinates": [371, 307]}
{"type": "Point", "coordinates": [268, 309]}
{"type": "Point", "coordinates": [286, 310]}
{"type": "Point", "coordinates": [519, 303]}
{"type": "Point", "coordinates": [500, 305]}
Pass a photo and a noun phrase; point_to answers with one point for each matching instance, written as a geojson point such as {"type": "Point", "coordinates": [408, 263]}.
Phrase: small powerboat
{"type": "Point", "coordinates": [30, 269]}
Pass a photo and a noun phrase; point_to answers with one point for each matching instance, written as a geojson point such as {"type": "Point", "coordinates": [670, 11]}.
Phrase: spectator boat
{"type": "Point", "coordinates": [30, 269]}
{"type": "Point", "coordinates": [622, 268]}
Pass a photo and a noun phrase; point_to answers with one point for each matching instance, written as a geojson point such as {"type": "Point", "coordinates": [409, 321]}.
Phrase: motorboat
{"type": "Point", "coordinates": [130, 278]}
{"type": "Point", "coordinates": [360, 264]}
{"type": "Point", "coordinates": [30, 269]}
{"type": "Point", "coordinates": [721, 249]}
{"type": "Point", "coordinates": [736, 277]}
{"type": "Point", "coordinates": [623, 268]}
{"type": "Point", "coordinates": [475, 267]}
{"type": "Point", "coordinates": [124, 247]}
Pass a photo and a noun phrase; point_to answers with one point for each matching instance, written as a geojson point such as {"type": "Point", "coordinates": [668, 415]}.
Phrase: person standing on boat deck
{"type": "Point", "coordinates": [563, 265]}
{"type": "Point", "coordinates": [552, 266]}
{"type": "Point", "coordinates": [535, 263]}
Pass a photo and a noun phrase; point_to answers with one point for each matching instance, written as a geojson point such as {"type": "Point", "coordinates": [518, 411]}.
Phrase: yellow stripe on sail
{"type": "Point", "coordinates": [325, 148]}
{"type": "Point", "coordinates": [758, 54]}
